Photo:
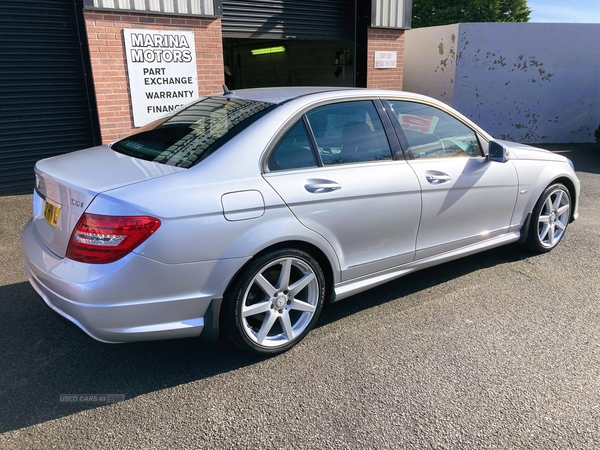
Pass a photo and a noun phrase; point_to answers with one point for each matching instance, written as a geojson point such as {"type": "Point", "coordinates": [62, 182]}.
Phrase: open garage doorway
{"type": "Point", "coordinates": [265, 62]}
{"type": "Point", "coordinates": [289, 43]}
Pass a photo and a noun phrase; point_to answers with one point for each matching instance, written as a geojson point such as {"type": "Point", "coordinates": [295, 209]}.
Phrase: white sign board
{"type": "Point", "coordinates": [162, 72]}
{"type": "Point", "coordinates": [385, 60]}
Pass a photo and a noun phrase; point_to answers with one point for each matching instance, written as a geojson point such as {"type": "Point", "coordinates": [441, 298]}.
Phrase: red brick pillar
{"type": "Point", "coordinates": [380, 39]}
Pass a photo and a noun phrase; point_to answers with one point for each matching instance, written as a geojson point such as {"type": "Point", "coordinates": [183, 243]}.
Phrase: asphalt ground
{"type": "Point", "coordinates": [497, 350]}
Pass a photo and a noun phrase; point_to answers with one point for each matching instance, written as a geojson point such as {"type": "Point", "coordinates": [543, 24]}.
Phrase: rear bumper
{"type": "Point", "coordinates": [132, 299]}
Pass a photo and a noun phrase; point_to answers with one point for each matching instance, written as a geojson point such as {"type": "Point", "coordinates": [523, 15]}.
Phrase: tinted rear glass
{"type": "Point", "coordinates": [192, 134]}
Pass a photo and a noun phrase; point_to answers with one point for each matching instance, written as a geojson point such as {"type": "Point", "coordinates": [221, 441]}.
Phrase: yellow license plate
{"type": "Point", "coordinates": [51, 212]}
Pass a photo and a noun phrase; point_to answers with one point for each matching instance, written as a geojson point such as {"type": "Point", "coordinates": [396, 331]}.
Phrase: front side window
{"type": "Point", "coordinates": [349, 132]}
{"type": "Point", "coordinates": [432, 133]}
{"type": "Point", "coordinates": [193, 133]}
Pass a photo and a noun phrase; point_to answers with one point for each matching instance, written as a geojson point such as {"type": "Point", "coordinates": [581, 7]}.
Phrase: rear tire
{"type": "Point", "coordinates": [550, 218]}
{"type": "Point", "coordinates": [275, 302]}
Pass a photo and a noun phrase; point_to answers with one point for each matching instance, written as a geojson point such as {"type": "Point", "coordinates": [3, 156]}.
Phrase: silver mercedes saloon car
{"type": "Point", "coordinates": [245, 212]}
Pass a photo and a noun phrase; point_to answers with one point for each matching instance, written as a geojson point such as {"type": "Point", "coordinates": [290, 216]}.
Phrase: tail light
{"type": "Point", "coordinates": [99, 239]}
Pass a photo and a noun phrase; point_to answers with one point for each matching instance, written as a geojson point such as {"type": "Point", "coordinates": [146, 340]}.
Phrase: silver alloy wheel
{"type": "Point", "coordinates": [554, 218]}
{"type": "Point", "coordinates": [280, 302]}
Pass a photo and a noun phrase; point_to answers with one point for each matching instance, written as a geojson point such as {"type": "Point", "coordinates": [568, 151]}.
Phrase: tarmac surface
{"type": "Point", "coordinates": [497, 350]}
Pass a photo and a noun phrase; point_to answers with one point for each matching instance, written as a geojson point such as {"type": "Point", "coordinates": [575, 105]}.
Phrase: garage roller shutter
{"type": "Point", "coordinates": [45, 109]}
{"type": "Point", "coordinates": [289, 19]}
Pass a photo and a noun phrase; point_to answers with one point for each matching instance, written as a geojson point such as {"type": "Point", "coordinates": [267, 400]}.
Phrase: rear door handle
{"type": "Point", "coordinates": [437, 178]}
{"type": "Point", "coordinates": [321, 187]}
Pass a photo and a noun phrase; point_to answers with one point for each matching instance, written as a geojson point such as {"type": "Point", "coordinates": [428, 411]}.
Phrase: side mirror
{"type": "Point", "coordinates": [497, 152]}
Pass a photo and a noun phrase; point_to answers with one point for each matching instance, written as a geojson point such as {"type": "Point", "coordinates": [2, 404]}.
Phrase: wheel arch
{"type": "Point", "coordinates": [565, 181]}
{"type": "Point", "coordinates": [309, 248]}
{"type": "Point", "coordinates": [568, 183]}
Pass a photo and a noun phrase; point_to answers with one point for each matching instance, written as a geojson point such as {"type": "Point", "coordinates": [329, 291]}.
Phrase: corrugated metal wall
{"type": "Point", "coordinates": [289, 19]}
{"type": "Point", "coordinates": [391, 13]}
{"type": "Point", "coordinates": [183, 7]}
{"type": "Point", "coordinates": [45, 103]}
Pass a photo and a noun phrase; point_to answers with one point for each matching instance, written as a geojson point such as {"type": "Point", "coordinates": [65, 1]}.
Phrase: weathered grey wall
{"type": "Point", "coordinates": [430, 61]}
{"type": "Point", "coordinates": [527, 82]}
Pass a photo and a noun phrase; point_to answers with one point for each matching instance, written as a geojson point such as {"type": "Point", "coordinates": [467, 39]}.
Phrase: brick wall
{"type": "Point", "coordinates": [385, 40]}
{"type": "Point", "coordinates": [109, 64]}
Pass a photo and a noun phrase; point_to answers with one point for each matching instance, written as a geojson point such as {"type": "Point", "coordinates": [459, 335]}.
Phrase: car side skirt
{"type": "Point", "coordinates": [351, 287]}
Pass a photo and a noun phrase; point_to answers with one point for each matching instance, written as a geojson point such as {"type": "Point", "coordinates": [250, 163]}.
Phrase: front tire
{"type": "Point", "coordinates": [275, 302]}
{"type": "Point", "coordinates": [550, 218]}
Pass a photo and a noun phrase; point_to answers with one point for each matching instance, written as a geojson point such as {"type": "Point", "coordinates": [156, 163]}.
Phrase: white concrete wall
{"type": "Point", "coordinates": [430, 61]}
{"type": "Point", "coordinates": [527, 82]}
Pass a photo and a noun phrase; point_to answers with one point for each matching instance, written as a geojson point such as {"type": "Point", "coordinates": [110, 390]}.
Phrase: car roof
{"type": "Point", "coordinates": [279, 95]}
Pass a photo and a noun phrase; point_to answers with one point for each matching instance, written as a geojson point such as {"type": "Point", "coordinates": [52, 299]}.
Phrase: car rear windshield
{"type": "Point", "coordinates": [192, 134]}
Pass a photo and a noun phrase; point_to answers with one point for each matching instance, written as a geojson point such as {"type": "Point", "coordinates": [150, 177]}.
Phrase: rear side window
{"type": "Point", "coordinates": [349, 132]}
{"type": "Point", "coordinates": [194, 133]}
{"type": "Point", "coordinates": [294, 150]}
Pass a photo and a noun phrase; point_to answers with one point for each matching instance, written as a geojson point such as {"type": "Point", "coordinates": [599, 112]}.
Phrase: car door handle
{"type": "Point", "coordinates": [437, 178]}
{"type": "Point", "coordinates": [321, 187]}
